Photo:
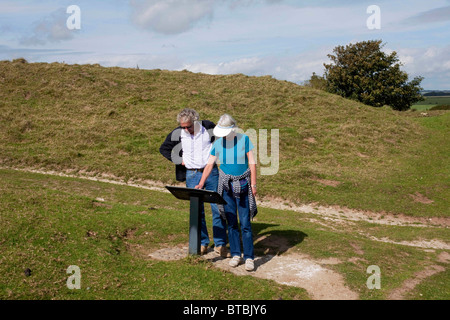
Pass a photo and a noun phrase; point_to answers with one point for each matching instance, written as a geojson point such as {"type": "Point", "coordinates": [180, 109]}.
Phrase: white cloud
{"type": "Point", "coordinates": [430, 16]}
{"type": "Point", "coordinates": [431, 52]}
{"type": "Point", "coordinates": [170, 16]}
{"type": "Point", "coordinates": [284, 38]}
{"type": "Point", "coordinates": [432, 63]}
{"type": "Point", "coordinates": [52, 29]}
{"type": "Point", "coordinates": [406, 59]}
{"type": "Point", "coordinates": [425, 60]}
{"type": "Point", "coordinates": [295, 68]}
{"type": "Point", "coordinates": [16, 7]}
{"type": "Point", "coordinates": [249, 66]}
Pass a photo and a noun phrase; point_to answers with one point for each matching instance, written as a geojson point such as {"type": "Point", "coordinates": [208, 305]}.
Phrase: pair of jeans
{"type": "Point", "coordinates": [232, 208]}
{"type": "Point", "coordinates": [219, 225]}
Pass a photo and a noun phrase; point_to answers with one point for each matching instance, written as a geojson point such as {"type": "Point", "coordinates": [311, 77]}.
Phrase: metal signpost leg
{"type": "Point", "coordinates": [197, 197]}
{"type": "Point", "coordinates": [194, 226]}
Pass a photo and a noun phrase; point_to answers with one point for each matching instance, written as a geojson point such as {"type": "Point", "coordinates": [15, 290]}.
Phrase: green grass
{"type": "Point", "coordinates": [92, 120]}
{"type": "Point", "coordinates": [49, 223]}
{"type": "Point", "coordinates": [430, 102]}
{"type": "Point", "coordinates": [433, 288]}
{"type": "Point", "coordinates": [86, 118]}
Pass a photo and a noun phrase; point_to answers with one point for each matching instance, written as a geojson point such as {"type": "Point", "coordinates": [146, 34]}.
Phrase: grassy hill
{"type": "Point", "coordinates": [333, 151]}
{"type": "Point", "coordinates": [49, 223]}
{"type": "Point", "coordinates": [111, 121]}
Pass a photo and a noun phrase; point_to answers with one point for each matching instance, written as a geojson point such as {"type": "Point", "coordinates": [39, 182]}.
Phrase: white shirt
{"type": "Point", "coordinates": [196, 147]}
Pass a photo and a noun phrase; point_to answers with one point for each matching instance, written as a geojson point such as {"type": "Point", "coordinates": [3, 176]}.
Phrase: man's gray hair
{"type": "Point", "coordinates": [226, 121]}
{"type": "Point", "coordinates": [188, 115]}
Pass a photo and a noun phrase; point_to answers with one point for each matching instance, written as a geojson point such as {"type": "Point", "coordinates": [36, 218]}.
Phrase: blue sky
{"type": "Point", "coordinates": [284, 38]}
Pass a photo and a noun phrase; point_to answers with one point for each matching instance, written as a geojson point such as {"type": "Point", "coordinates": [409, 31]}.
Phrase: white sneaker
{"type": "Point", "coordinates": [235, 261]}
{"type": "Point", "coordinates": [249, 265]}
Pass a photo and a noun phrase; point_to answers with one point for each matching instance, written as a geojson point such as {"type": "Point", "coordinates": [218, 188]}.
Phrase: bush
{"type": "Point", "coordinates": [316, 82]}
{"type": "Point", "coordinates": [363, 72]}
{"type": "Point", "coordinates": [441, 107]}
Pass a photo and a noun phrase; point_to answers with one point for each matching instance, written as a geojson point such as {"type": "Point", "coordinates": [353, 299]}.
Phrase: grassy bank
{"type": "Point", "coordinates": [49, 223]}
{"type": "Point", "coordinates": [332, 151]}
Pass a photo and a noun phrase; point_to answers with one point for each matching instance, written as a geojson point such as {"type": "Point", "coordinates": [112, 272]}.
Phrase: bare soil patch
{"type": "Point", "coordinates": [329, 183]}
{"type": "Point", "coordinates": [341, 214]}
{"type": "Point", "coordinates": [290, 269]}
{"type": "Point", "coordinates": [418, 197]}
{"type": "Point", "coordinates": [410, 284]}
{"type": "Point", "coordinates": [331, 212]}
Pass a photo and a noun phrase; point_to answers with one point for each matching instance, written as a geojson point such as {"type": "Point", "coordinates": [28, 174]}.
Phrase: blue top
{"type": "Point", "coordinates": [232, 154]}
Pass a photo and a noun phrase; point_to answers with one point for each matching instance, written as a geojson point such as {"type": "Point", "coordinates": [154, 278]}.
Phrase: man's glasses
{"type": "Point", "coordinates": [187, 127]}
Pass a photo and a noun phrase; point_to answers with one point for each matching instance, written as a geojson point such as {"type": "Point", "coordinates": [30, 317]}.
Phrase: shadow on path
{"type": "Point", "coordinates": [270, 243]}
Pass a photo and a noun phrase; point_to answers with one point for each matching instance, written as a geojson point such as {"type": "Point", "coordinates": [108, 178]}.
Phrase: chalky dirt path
{"type": "Point", "coordinates": [291, 268]}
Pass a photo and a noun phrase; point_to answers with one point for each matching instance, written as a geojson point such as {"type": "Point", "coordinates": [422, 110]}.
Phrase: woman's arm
{"type": "Point", "coordinates": [206, 171]}
{"type": "Point", "coordinates": [252, 165]}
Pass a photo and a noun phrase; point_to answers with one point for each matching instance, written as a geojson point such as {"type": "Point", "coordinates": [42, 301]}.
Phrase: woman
{"type": "Point", "coordinates": [237, 185]}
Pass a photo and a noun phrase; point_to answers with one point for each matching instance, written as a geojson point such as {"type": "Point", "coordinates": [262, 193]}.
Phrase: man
{"type": "Point", "coordinates": [188, 146]}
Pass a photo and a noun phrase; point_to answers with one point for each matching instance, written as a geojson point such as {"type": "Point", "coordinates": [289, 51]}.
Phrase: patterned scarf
{"type": "Point", "coordinates": [224, 180]}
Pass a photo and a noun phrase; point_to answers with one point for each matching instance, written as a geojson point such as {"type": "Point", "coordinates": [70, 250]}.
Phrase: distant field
{"type": "Point", "coordinates": [430, 102]}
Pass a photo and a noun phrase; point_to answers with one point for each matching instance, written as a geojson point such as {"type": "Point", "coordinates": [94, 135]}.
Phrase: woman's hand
{"type": "Point", "coordinates": [199, 186]}
{"type": "Point", "coordinates": [206, 171]}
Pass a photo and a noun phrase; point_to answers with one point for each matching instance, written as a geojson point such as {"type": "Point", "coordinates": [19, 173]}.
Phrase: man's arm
{"type": "Point", "coordinates": [209, 126]}
{"type": "Point", "coordinates": [167, 146]}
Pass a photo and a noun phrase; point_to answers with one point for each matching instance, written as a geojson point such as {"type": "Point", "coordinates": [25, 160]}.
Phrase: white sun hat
{"type": "Point", "coordinates": [220, 131]}
{"type": "Point", "coordinates": [225, 126]}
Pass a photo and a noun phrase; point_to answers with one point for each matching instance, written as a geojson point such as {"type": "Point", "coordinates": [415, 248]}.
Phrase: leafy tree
{"type": "Point", "coordinates": [363, 72]}
{"type": "Point", "coordinates": [316, 82]}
